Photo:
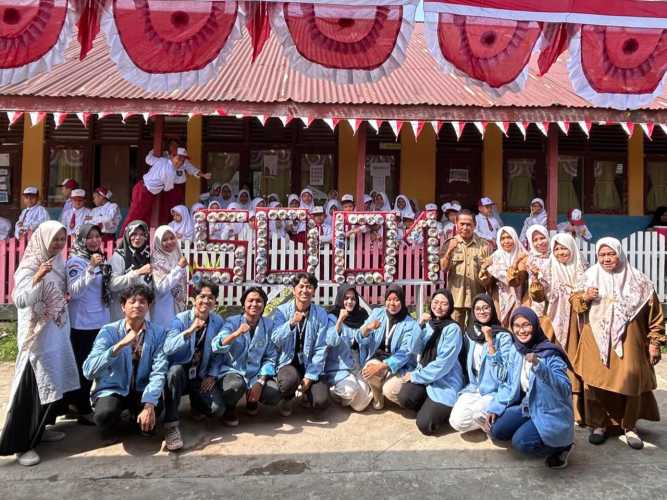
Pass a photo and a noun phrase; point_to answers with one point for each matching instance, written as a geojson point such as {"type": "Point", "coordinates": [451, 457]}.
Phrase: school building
{"type": "Point", "coordinates": [248, 126]}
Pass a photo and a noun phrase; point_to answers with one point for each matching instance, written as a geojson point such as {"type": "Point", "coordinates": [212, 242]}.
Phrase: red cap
{"type": "Point", "coordinates": [104, 192]}
{"type": "Point", "coordinates": [70, 183]}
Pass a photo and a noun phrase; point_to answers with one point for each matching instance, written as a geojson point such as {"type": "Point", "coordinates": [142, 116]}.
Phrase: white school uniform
{"type": "Point", "coordinates": [107, 217]}
{"type": "Point", "coordinates": [30, 219]}
{"type": "Point", "coordinates": [487, 227]}
{"type": "Point", "coordinates": [87, 310]}
{"type": "Point", "coordinates": [79, 214]}
{"type": "Point", "coordinates": [181, 176]}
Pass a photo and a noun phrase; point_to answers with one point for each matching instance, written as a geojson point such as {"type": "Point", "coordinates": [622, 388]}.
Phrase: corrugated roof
{"type": "Point", "coordinates": [418, 88]}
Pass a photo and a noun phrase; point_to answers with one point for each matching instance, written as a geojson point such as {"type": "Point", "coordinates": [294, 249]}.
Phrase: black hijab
{"type": "Point", "coordinates": [474, 330]}
{"type": "Point", "coordinates": [657, 216]}
{"type": "Point", "coordinates": [358, 316]}
{"type": "Point", "coordinates": [539, 344]}
{"type": "Point", "coordinates": [135, 257]}
{"type": "Point", "coordinates": [430, 351]}
{"type": "Point", "coordinates": [81, 250]}
{"type": "Point", "coordinates": [400, 315]}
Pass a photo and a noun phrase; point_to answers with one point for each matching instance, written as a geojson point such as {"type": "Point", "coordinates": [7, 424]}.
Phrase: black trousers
{"type": "Point", "coordinates": [178, 385]}
{"type": "Point", "coordinates": [27, 417]}
{"type": "Point", "coordinates": [289, 379]}
{"type": "Point", "coordinates": [82, 343]}
{"type": "Point", "coordinates": [431, 416]}
{"type": "Point", "coordinates": [109, 408]}
{"type": "Point", "coordinates": [233, 386]}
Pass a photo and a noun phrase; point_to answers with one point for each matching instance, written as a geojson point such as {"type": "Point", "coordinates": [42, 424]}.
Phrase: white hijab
{"type": "Point", "coordinates": [622, 294]}
{"type": "Point", "coordinates": [500, 259]}
{"type": "Point", "coordinates": [185, 228]}
{"type": "Point", "coordinates": [162, 263]}
{"type": "Point", "coordinates": [293, 197]}
{"type": "Point", "coordinates": [242, 206]}
{"type": "Point", "coordinates": [406, 212]}
{"type": "Point", "coordinates": [386, 206]}
{"type": "Point", "coordinates": [538, 219]}
{"type": "Point", "coordinates": [328, 219]}
{"type": "Point", "coordinates": [225, 203]}
{"type": "Point", "coordinates": [303, 204]}
{"type": "Point", "coordinates": [536, 228]}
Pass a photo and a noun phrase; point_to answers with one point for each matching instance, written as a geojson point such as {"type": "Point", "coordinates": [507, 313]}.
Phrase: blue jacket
{"type": "Point", "coordinates": [548, 401]}
{"type": "Point", "coordinates": [402, 343]}
{"type": "Point", "coordinates": [180, 350]}
{"type": "Point", "coordinates": [340, 359]}
{"type": "Point", "coordinates": [112, 374]}
{"type": "Point", "coordinates": [249, 358]}
{"type": "Point", "coordinates": [491, 378]}
{"type": "Point", "coordinates": [443, 377]}
{"type": "Point", "coordinates": [314, 342]}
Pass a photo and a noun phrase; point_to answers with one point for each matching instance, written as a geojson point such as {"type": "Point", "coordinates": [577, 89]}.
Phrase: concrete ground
{"type": "Point", "coordinates": [343, 455]}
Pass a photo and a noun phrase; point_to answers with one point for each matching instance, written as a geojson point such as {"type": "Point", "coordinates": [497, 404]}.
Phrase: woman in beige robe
{"type": "Point", "coordinates": [619, 346]}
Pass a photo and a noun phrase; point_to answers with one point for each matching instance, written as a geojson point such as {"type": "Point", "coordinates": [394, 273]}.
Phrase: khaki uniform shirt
{"type": "Point", "coordinates": [464, 266]}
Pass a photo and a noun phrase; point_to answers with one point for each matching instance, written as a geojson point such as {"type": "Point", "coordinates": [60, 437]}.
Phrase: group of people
{"type": "Point", "coordinates": [522, 343]}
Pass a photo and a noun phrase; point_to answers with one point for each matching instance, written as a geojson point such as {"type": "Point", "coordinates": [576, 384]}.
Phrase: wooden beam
{"type": "Point", "coordinates": [361, 167]}
{"type": "Point", "coordinates": [158, 132]}
{"type": "Point", "coordinates": [552, 176]}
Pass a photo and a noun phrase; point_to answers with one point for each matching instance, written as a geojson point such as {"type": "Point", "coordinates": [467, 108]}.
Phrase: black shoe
{"type": "Point", "coordinates": [559, 460]}
{"type": "Point", "coordinates": [229, 418]}
{"type": "Point", "coordinates": [597, 438]}
{"type": "Point", "coordinates": [252, 409]}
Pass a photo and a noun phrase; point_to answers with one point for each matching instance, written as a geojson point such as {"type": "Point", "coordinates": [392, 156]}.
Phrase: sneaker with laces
{"type": "Point", "coordinates": [173, 439]}
{"type": "Point", "coordinates": [285, 407]}
{"type": "Point", "coordinates": [51, 436]}
{"type": "Point", "coordinates": [559, 460]}
{"type": "Point", "coordinates": [28, 458]}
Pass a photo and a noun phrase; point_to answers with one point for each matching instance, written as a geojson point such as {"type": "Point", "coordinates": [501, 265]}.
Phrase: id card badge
{"type": "Point", "coordinates": [192, 373]}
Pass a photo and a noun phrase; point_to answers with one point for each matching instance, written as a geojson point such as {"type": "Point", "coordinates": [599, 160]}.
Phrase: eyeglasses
{"type": "Point", "coordinates": [482, 308]}
{"type": "Point", "coordinates": [523, 326]}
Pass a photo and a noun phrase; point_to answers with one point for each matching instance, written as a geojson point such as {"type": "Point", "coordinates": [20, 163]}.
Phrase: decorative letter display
{"type": "Point", "coordinates": [228, 263]}
{"type": "Point", "coordinates": [424, 231]}
{"type": "Point", "coordinates": [264, 270]}
{"type": "Point", "coordinates": [384, 225]}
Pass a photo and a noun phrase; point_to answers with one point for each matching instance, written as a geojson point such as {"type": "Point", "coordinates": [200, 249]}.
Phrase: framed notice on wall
{"type": "Point", "coordinates": [5, 178]}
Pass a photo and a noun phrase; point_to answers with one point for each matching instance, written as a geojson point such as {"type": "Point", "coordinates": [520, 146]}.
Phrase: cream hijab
{"type": "Point", "coordinates": [622, 294]}
{"type": "Point", "coordinates": [162, 263]}
{"type": "Point", "coordinates": [500, 259]}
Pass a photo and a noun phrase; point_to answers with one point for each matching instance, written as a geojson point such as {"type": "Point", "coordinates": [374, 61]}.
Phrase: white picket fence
{"type": "Point", "coordinates": [645, 250]}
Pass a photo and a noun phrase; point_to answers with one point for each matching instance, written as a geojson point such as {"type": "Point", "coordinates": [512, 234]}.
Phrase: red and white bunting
{"type": "Point", "coordinates": [481, 127]}
{"type": "Point", "coordinates": [543, 127]}
{"type": "Point", "coordinates": [663, 126]}
{"type": "Point", "coordinates": [283, 120]}
{"type": "Point", "coordinates": [220, 112]}
{"type": "Point", "coordinates": [395, 126]}
{"type": "Point", "coordinates": [437, 125]}
{"type": "Point", "coordinates": [458, 128]}
{"type": "Point", "coordinates": [330, 122]}
{"type": "Point", "coordinates": [414, 124]}
{"type": "Point", "coordinates": [84, 117]}
{"type": "Point", "coordinates": [648, 129]}
{"type": "Point", "coordinates": [503, 126]}
{"type": "Point", "coordinates": [374, 124]}
{"type": "Point", "coordinates": [420, 128]}
{"type": "Point", "coordinates": [36, 117]}
{"type": "Point", "coordinates": [13, 116]}
{"type": "Point", "coordinates": [628, 127]}
{"type": "Point", "coordinates": [192, 115]}
{"type": "Point", "coordinates": [103, 114]}
{"type": "Point", "coordinates": [522, 126]}
{"type": "Point", "coordinates": [585, 127]}
{"type": "Point", "coordinates": [59, 118]}
{"type": "Point", "coordinates": [262, 119]}
{"type": "Point", "coordinates": [564, 126]}
{"type": "Point", "coordinates": [306, 121]}
{"type": "Point", "coordinates": [354, 123]}
{"type": "Point", "coordinates": [146, 116]}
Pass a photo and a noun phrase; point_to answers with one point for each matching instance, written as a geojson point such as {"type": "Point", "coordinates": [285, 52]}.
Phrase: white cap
{"type": "Point", "coordinates": [30, 190]}
{"type": "Point", "coordinates": [182, 152]}
{"type": "Point", "coordinates": [347, 198]}
{"type": "Point", "coordinates": [78, 193]}
{"type": "Point", "coordinates": [317, 211]}
{"type": "Point", "coordinates": [455, 206]}
{"type": "Point", "coordinates": [431, 206]}
{"type": "Point", "coordinates": [486, 201]}
{"type": "Point", "coordinates": [368, 198]}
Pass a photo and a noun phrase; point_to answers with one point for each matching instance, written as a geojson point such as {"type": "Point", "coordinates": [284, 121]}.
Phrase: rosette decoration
{"type": "Point", "coordinates": [424, 230]}
{"type": "Point", "coordinates": [386, 270]}
{"type": "Point", "coordinates": [263, 270]}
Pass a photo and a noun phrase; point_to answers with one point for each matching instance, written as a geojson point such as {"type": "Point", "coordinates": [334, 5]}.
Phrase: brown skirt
{"type": "Point", "coordinates": [610, 409]}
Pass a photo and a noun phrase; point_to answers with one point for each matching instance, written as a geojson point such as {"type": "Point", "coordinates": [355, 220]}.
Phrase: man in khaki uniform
{"type": "Point", "coordinates": [462, 258]}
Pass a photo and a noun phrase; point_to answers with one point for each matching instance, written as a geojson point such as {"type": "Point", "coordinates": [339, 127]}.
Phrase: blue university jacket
{"type": "Point", "coordinates": [340, 359]}
{"type": "Point", "coordinates": [548, 401]}
{"type": "Point", "coordinates": [249, 358]}
{"type": "Point", "coordinates": [491, 377]}
{"type": "Point", "coordinates": [443, 376]}
{"type": "Point", "coordinates": [112, 374]}
{"type": "Point", "coordinates": [180, 350]}
{"type": "Point", "coordinates": [314, 343]}
{"type": "Point", "coordinates": [402, 343]}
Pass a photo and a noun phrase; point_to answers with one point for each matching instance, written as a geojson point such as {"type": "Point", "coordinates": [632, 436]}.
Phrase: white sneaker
{"type": "Point", "coordinates": [28, 458]}
{"type": "Point", "coordinates": [173, 439]}
{"type": "Point", "coordinates": [51, 436]}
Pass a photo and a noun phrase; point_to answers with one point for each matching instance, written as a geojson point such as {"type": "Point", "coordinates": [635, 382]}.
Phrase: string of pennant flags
{"type": "Point", "coordinates": [417, 126]}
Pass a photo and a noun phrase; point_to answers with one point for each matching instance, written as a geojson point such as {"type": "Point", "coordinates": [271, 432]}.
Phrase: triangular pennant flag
{"type": "Point", "coordinates": [564, 126]}
{"type": "Point", "coordinates": [415, 126]}
{"type": "Point", "coordinates": [36, 117]}
{"type": "Point", "coordinates": [663, 127]}
{"type": "Point", "coordinates": [125, 115]}
{"type": "Point", "coordinates": [458, 128]}
{"type": "Point", "coordinates": [330, 122]}
{"type": "Point", "coordinates": [59, 118]}
{"type": "Point", "coordinates": [146, 116]}
{"type": "Point", "coordinates": [543, 127]}
{"type": "Point", "coordinates": [394, 124]}
{"type": "Point", "coordinates": [220, 112]}
{"type": "Point", "coordinates": [481, 127]}
{"type": "Point", "coordinates": [420, 128]}
{"type": "Point", "coordinates": [262, 119]}
{"type": "Point", "coordinates": [628, 127]}
{"type": "Point", "coordinates": [585, 126]}
{"type": "Point", "coordinates": [503, 126]}
{"type": "Point", "coordinates": [354, 124]}
{"type": "Point", "coordinates": [373, 124]}
{"type": "Point", "coordinates": [239, 116]}
{"type": "Point", "coordinates": [522, 126]}
{"type": "Point", "coordinates": [13, 116]}
{"type": "Point", "coordinates": [283, 120]}
{"type": "Point", "coordinates": [103, 114]}
{"type": "Point", "coordinates": [305, 120]}
{"type": "Point", "coordinates": [83, 118]}
{"type": "Point", "coordinates": [648, 129]}
{"type": "Point", "coordinates": [437, 125]}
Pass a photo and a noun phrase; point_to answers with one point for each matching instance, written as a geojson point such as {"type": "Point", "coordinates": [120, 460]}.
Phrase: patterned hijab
{"type": "Point", "coordinates": [81, 250]}
{"type": "Point", "coordinates": [134, 257]}
{"type": "Point", "coordinates": [162, 263]}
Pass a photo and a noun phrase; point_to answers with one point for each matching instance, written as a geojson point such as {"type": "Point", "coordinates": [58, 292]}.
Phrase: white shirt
{"type": "Point", "coordinates": [163, 309]}
{"type": "Point", "coordinates": [160, 177]}
{"type": "Point", "coordinates": [187, 167]}
{"type": "Point", "coordinates": [30, 219]}
{"type": "Point", "coordinates": [87, 311]}
{"type": "Point", "coordinates": [107, 217]}
{"type": "Point", "coordinates": [576, 231]}
{"type": "Point", "coordinates": [79, 214]}
{"type": "Point", "coordinates": [486, 227]}
{"type": "Point", "coordinates": [5, 228]}
{"type": "Point", "coordinates": [525, 374]}
{"type": "Point", "coordinates": [477, 353]}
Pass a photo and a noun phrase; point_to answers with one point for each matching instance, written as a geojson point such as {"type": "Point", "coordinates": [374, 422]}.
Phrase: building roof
{"type": "Point", "coordinates": [418, 90]}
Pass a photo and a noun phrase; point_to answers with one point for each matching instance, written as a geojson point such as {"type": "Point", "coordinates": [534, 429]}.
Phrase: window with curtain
{"type": "Point", "coordinates": [568, 172]}
{"type": "Point", "coordinates": [657, 177]}
{"type": "Point", "coordinates": [382, 175]}
{"type": "Point", "coordinates": [520, 188]}
{"type": "Point", "coordinates": [64, 163]}
{"type": "Point", "coordinates": [608, 184]}
{"type": "Point", "coordinates": [271, 171]}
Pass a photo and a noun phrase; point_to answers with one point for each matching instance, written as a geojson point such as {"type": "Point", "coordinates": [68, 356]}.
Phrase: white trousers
{"type": "Point", "coordinates": [468, 409]}
{"type": "Point", "coordinates": [353, 391]}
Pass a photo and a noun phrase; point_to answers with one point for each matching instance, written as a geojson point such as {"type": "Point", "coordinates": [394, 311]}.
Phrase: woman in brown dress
{"type": "Point", "coordinates": [619, 345]}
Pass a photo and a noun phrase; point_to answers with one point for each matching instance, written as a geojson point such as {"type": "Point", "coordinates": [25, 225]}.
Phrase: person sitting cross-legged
{"type": "Point", "coordinates": [127, 365]}
{"type": "Point", "coordinates": [194, 368]}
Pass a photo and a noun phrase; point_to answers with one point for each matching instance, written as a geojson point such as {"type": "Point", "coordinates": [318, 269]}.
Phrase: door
{"type": "Point", "coordinates": [459, 177]}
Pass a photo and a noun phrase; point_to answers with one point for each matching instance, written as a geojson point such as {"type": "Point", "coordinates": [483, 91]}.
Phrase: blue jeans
{"type": "Point", "coordinates": [523, 433]}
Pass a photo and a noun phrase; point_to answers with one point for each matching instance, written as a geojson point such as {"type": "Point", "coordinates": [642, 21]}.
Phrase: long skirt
{"type": "Point", "coordinates": [26, 417]}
